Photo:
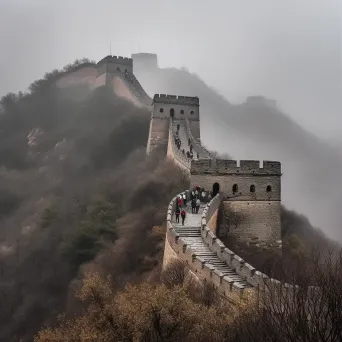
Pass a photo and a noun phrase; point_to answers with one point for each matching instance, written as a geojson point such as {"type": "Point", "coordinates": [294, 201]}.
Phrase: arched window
{"type": "Point", "coordinates": [161, 110]}
{"type": "Point", "coordinates": [118, 69]}
{"type": "Point", "coordinates": [216, 189]}
{"type": "Point", "coordinates": [235, 188]}
{"type": "Point", "coordinates": [172, 113]}
{"type": "Point", "coordinates": [182, 111]}
{"type": "Point", "coordinates": [252, 188]}
{"type": "Point", "coordinates": [269, 188]}
{"type": "Point", "coordinates": [192, 112]}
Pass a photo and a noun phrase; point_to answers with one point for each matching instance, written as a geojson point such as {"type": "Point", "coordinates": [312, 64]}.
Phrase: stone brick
{"type": "Point", "coordinates": [211, 237]}
{"type": "Point", "coordinates": [237, 262]}
{"type": "Point", "coordinates": [227, 256]}
{"type": "Point", "coordinates": [207, 271]}
{"type": "Point", "coordinates": [217, 247]}
{"type": "Point", "coordinates": [217, 277]}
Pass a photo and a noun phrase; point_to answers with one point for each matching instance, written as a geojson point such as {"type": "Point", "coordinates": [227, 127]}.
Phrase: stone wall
{"type": "Point", "coordinates": [252, 221]}
{"type": "Point", "coordinates": [259, 280]}
{"type": "Point", "coordinates": [174, 154]}
{"type": "Point", "coordinates": [82, 75]}
{"type": "Point", "coordinates": [121, 90]}
{"type": "Point", "coordinates": [202, 270]}
{"type": "Point", "coordinates": [158, 134]}
{"type": "Point", "coordinates": [212, 223]}
{"type": "Point", "coordinates": [111, 64]}
{"type": "Point", "coordinates": [226, 166]}
{"type": "Point", "coordinates": [193, 130]}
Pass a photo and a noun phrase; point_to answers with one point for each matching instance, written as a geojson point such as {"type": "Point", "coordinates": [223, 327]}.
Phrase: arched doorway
{"type": "Point", "coordinates": [172, 113]}
{"type": "Point", "coordinates": [216, 189]}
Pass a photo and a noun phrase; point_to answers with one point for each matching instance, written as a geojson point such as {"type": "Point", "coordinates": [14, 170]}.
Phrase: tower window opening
{"type": "Point", "coordinates": [269, 188]}
{"type": "Point", "coordinates": [192, 112]}
{"type": "Point", "coordinates": [216, 189]}
{"type": "Point", "coordinates": [182, 111]}
{"type": "Point", "coordinates": [235, 188]}
{"type": "Point", "coordinates": [172, 113]}
{"type": "Point", "coordinates": [118, 69]}
{"type": "Point", "coordinates": [161, 110]}
{"type": "Point", "coordinates": [252, 188]}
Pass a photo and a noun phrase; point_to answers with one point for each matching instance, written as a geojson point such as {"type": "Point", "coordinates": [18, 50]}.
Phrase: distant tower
{"type": "Point", "coordinates": [166, 107]}
{"type": "Point", "coordinates": [145, 61]}
{"type": "Point", "coordinates": [110, 66]}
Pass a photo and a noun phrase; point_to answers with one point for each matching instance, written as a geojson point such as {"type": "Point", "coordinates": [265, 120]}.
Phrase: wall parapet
{"type": "Point", "coordinates": [226, 166]}
{"type": "Point", "coordinates": [204, 271]}
{"type": "Point", "coordinates": [116, 59]}
{"type": "Point", "coordinates": [255, 278]}
{"type": "Point", "coordinates": [178, 155]}
{"type": "Point", "coordinates": [136, 88]}
{"type": "Point", "coordinates": [174, 99]}
{"type": "Point", "coordinates": [196, 143]}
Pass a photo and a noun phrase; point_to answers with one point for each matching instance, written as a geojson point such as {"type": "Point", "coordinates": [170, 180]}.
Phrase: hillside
{"type": "Point", "coordinates": [73, 166]}
{"type": "Point", "coordinates": [79, 197]}
{"type": "Point", "coordinates": [311, 167]}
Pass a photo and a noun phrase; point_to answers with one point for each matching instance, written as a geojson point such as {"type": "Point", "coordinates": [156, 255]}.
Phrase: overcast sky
{"type": "Point", "coordinates": [289, 50]}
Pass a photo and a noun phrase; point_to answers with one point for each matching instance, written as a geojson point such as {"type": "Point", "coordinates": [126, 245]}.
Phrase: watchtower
{"type": "Point", "coordinates": [145, 61]}
{"type": "Point", "coordinates": [110, 66]}
{"type": "Point", "coordinates": [166, 107]}
{"type": "Point", "coordinates": [252, 196]}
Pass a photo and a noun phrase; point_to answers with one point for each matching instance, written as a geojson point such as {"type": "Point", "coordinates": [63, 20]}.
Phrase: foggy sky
{"type": "Point", "coordinates": [288, 50]}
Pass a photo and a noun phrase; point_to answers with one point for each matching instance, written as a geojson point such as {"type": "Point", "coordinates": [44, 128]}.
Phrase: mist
{"type": "Point", "coordinates": [288, 51]}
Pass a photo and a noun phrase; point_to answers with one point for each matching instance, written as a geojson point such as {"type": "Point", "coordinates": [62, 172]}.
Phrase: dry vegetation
{"type": "Point", "coordinates": [83, 202]}
{"type": "Point", "coordinates": [179, 308]}
{"type": "Point", "coordinates": [82, 193]}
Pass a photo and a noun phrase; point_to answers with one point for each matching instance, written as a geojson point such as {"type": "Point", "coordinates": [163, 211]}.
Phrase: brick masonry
{"type": "Point", "coordinates": [252, 220]}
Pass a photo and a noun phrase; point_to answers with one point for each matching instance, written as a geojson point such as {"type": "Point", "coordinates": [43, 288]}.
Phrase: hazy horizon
{"type": "Point", "coordinates": [288, 51]}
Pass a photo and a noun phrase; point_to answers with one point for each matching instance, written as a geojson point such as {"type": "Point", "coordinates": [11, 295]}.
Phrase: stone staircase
{"type": "Point", "coordinates": [191, 234]}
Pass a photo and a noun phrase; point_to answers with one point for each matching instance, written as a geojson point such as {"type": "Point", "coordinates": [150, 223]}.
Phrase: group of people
{"type": "Point", "coordinates": [180, 207]}
{"type": "Point", "coordinates": [197, 195]}
{"type": "Point", "coordinates": [188, 154]}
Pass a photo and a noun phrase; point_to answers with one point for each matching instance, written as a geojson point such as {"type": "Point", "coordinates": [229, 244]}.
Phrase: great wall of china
{"type": "Point", "coordinates": [248, 189]}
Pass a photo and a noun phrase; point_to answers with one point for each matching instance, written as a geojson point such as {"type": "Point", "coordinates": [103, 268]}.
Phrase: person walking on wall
{"type": "Point", "coordinates": [198, 203]}
{"type": "Point", "coordinates": [179, 201]}
{"type": "Point", "coordinates": [177, 213]}
{"type": "Point", "coordinates": [193, 205]}
{"type": "Point", "coordinates": [184, 198]}
{"type": "Point", "coordinates": [183, 214]}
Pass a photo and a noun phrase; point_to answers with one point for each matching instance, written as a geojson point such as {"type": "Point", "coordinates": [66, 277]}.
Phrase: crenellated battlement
{"type": "Point", "coordinates": [174, 99]}
{"type": "Point", "coordinates": [117, 60]}
{"type": "Point", "coordinates": [223, 166]}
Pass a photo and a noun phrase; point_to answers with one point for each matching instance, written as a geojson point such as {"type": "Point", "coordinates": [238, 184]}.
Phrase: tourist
{"type": "Point", "coordinates": [189, 142]}
{"type": "Point", "coordinates": [177, 213]}
{"type": "Point", "coordinates": [197, 155]}
{"type": "Point", "coordinates": [184, 199]}
{"type": "Point", "coordinates": [179, 201]}
{"type": "Point", "coordinates": [193, 205]}
{"type": "Point", "coordinates": [178, 127]}
{"type": "Point", "coordinates": [203, 194]}
{"type": "Point", "coordinates": [198, 203]}
{"type": "Point", "coordinates": [183, 214]}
